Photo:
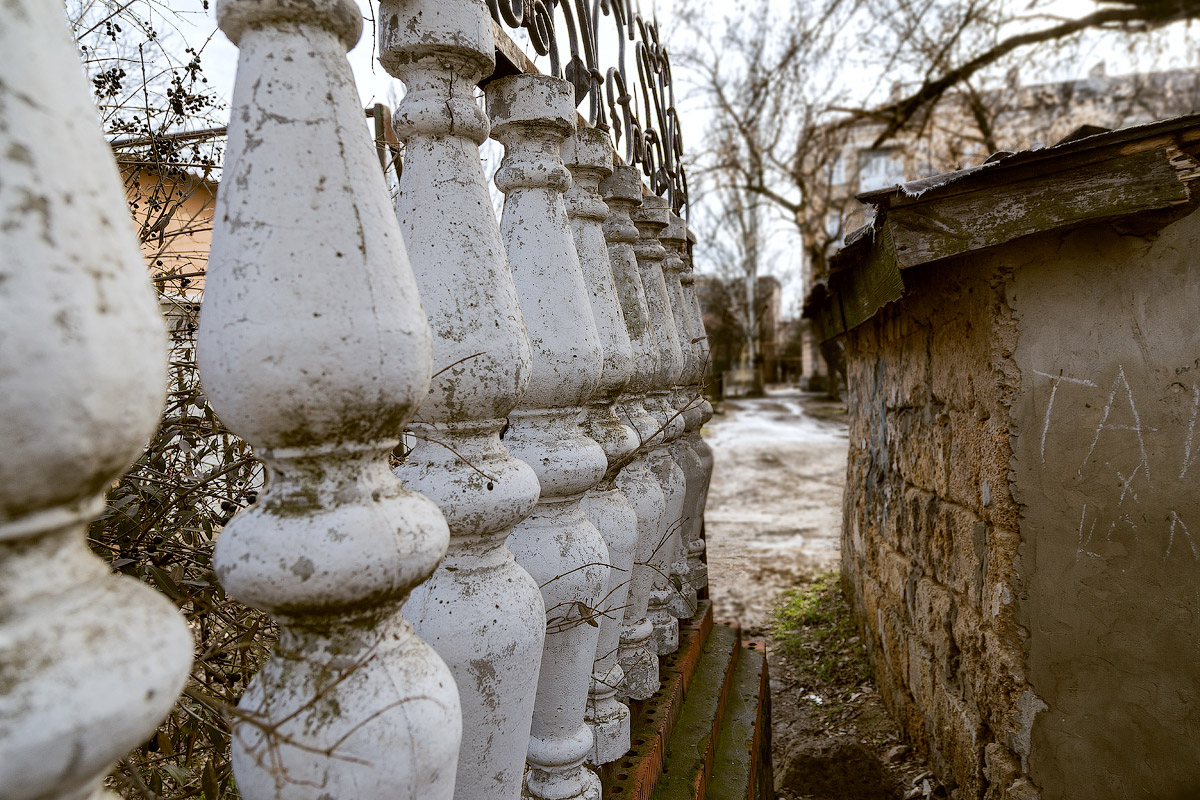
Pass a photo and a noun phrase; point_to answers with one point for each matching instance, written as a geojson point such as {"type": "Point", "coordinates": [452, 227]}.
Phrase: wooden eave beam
{"type": "Point", "coordinates": [1184, 132]}
{"type": "Point", "coordinates": [1139, 184]}
{"type": "Point", "coordinates": [993, 213]}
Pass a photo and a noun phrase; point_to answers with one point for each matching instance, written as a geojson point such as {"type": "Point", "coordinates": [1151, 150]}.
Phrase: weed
{"type": "Point", "coordinates": [814, 627]}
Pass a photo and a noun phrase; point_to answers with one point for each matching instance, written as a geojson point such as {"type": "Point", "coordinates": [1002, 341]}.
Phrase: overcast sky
{"type": "Point", "coordinates": [375, 85]}
{"type": "Point", "coordinates": [220, 56]}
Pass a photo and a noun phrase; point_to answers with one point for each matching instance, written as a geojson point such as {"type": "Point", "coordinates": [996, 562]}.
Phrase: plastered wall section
{"type": "Point", "coordinates": [1106, 468]}
{"type": "Point", "coordinates": [930, 532]}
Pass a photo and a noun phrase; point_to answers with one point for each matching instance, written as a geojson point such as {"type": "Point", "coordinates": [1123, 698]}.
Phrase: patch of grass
{"type": "Point", "coordinates": [837, 412]}
{"type": "Point", "coordinates": [814, 627]}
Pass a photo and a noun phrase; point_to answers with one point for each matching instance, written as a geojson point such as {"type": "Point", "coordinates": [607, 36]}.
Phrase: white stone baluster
{"type": "Point", "coordinates": [665, 600]}
{"type": "Point", "coordinates": [639, 658]}
{"type": "Point", "coordinates": [532, 115]}
{"type": "Point", "coordinates": [684, 399]}
{"type": "Point", "coordinates": [703, 451]}
{"type": "Point", "coordinates": [314, 348]}
{"type": "Point", "coordinates": [481, 611]}
{"type": "Point", "coordinates": [90, 663]}
{"type": "Point", "coordinates": [589, 156]}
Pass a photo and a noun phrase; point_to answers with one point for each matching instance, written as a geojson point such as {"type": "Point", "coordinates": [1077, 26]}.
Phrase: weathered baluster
{"type": "Point", "coordinates": [532, 115]}
{"type": "Point", "coordinates": [639, 657]}
{"type": "Point", "coordinates": [481, 611]}
{"type": "Point", "coordinates": [589, 156]}
{"type": "Point", "coordinates": [665, 600]}
{"type": "Point", "coordinates": [703, 451]}
{"type": "Point", "coordinates": [313, 346]}
{"type": "Point", "coordinates": [683, 399]}
{"type": "Point", "coordinates": [89, 663]}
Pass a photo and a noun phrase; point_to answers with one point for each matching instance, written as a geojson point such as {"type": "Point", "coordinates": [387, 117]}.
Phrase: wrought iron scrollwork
{"type": "Point", "coordinates": [639, 114]}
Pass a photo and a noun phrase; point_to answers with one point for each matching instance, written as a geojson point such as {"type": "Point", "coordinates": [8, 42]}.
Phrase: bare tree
{"type": "Point", "coordinates": [976, 36]}
{"type": "Point", "coordinates": [735, 244]}
{"type": "Point", "coordinates": [789, 89]}
{"type": "Point", "coordinates": [751, 96]}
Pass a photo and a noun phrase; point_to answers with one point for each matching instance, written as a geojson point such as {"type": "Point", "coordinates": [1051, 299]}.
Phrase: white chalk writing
{"type": "Point", "coordinates": [1125, 485]}
{"type": "Point", "coordinates": [1136, 427]}
{"type": "Point", "coordinates": [1177, 522]}
{"type": "Point", "coordinates": [1120, 413]}
{"type": "Point", "coordinates": [1187, 443]}
{"type": "Point", "coordinates": [1079, 549]}
{"type": "Point", "coordinates": [1055, 380]}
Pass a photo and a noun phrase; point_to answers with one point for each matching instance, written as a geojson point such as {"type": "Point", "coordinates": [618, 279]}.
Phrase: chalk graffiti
{"type": "Point", "coordinates": [1055, 380]}
{"type": "Point", "coordinates": [1177, 522]}
{"type": "Point", "coordinates": [1125, 488]}
{"type": "Point", "coordinates": [1187, 443]}
{"type": "Point", "coordinates": [1120, 414]}
{"type": "Point", "coordinates": [1105, 425]}
{"type": "Point", "coordinates": [1079, 549]}
{"type": "Point", "coordinates": [1084, 543]}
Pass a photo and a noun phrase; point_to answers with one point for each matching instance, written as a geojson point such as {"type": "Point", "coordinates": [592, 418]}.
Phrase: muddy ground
{"type": "Point", "coordinates": [773, 523]}
{"type": "Point", "coordinates": [774, 510]}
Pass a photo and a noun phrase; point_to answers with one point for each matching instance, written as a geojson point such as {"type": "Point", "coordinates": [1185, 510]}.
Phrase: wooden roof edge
{"type": "Point", "coordinates": [1156, 184]}
{"type": "Point", "coordinates": [1183, 130]}
{"type": "Point", "coordinates": [1139, 183]}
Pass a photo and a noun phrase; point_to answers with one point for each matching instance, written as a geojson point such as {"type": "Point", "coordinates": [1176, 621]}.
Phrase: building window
{"type": "Point", "coordinates": [880, 168]}
{"type": "Point", "coordinates": [837, 171]}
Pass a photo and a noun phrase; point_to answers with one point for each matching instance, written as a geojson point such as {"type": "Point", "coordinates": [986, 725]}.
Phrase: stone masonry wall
{"type": "Point", "coordinates": [930, 528]}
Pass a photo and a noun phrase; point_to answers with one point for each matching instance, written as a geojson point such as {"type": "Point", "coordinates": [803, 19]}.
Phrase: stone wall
{"type": "Point", "coordinates": [1022, 516]}
{"type": "Point", "coordinates": [931, 530]}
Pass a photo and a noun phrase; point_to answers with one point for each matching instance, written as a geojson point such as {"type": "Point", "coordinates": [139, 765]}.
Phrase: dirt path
{"type": "Point", "coordinates": [773, 523]}
{"type": "Point", "coordinates": [774, 511]}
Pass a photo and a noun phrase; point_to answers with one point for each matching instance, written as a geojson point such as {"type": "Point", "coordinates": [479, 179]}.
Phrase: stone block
{"type": "Point", "coordinates": [965, 482]}
{"type": "Point", "coordinates": [1001, 768]}
{"type": "Point", "coordinates": [908, 376]}
{"type": "Point", "coordinates": [939, 448]}
{"type": "Point", "coordinates": [957, 734]}
{"type": "Point", "coordinates": [920, 514]}
{"type": "Point", "coordinates": [949, 356]}
{"type": "Point", "coordinates": [933, 606]}
{"type": "Point", "coordinates": [969, 334]}
{"type": "Point", "coordinates": [1003, 545]}
{"type": "Point", "coordinates": [887, 637]}
{"type": "Point", "coordinates": [920, 674]}
{"type": "Point", "coordinates": [894, 569]}
{"type": "Point", "coordinates": [968, 632]}
{"type": "Point", "coordinates": [934, 609]}
{"type": "Point", "coordinates": [956, 546]}
{"type": "Point", "coordinates": [995, 454]}
{"type": "Point", "coordinates": [898, 641]}
{"type": "Point", "coordinates": [916, 444]}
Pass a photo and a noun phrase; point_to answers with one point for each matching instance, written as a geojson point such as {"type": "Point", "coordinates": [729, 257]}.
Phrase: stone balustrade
{"type": "Point", "coordinates": [683, 400]}
{"type": "Point", "coordinates": [666, 602]}
{"type": "Point", "coordinates": [90, 663]}
{"type": "Point", "coordinates": [321, 379]}
{"type": "Point", "coordinates": [468, 624]}
{"type": "Point", "coordinates": [701, 411]}
{"type": "Point", "coordinates": [589, 155]}
{"type": "Point", "coordinates": [638, 652]}
{"type": "Point", "coordinates": [533, 115]}
{"type": "Point", "coordinates": [481, 610]}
